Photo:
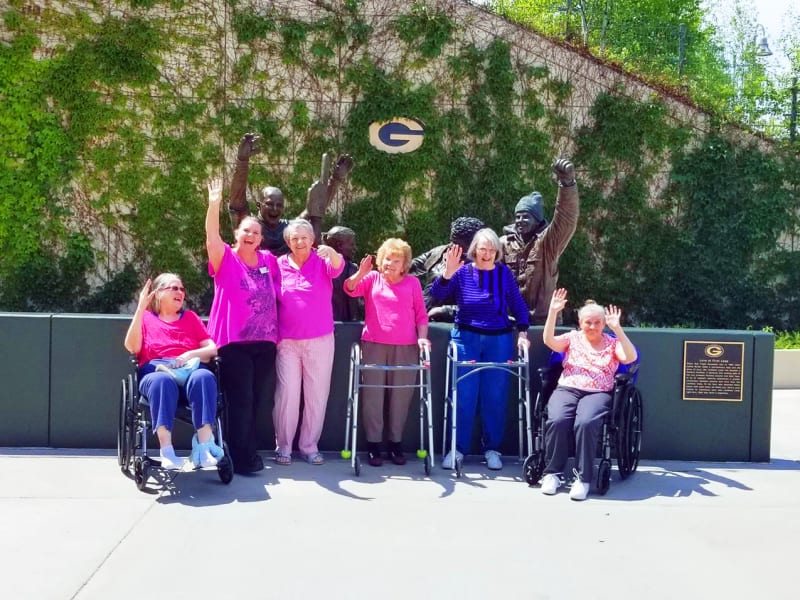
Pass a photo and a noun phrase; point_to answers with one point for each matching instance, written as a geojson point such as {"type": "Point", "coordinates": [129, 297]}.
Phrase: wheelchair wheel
{"type": "Point", "coordinates": [225, 466]}
{"type": "Point", "coordinates": [533, 467]}
{"type": "Point", "coordinates": [459, 467]}
{"type": "Point", "coordinates": [357, 466]}
{"type": "Point", "coordinates": [141, 472]}
{"type": "Point", "coordinates": [125, 426]}
{"type": "Point", "coordinates": [603, 476]}
{"type": "Point", "coordinates": [632, 431]}
{"type": "Point", "coordinates": [427, 465]}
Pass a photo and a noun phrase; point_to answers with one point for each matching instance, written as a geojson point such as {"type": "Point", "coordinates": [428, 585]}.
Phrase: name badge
{"type": "Point", "coordinates": [263, 270]}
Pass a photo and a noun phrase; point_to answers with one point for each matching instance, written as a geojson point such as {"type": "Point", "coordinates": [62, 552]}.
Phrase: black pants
{"type": "Point", "coordinates": [246, 369]}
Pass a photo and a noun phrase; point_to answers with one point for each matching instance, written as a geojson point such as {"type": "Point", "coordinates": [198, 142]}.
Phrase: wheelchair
{"type": "Point", "coordinates": [518, 368]}
{"type": "Point", "coordinates": [423, 368]}
{"type": "Point", "coordinates": [135, 424]}
{"type": "Point", "coordinates": [621, 434]}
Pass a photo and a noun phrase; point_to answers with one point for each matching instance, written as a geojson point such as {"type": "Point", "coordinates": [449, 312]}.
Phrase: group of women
{"type": "Point", "coordinates": [277, 313]}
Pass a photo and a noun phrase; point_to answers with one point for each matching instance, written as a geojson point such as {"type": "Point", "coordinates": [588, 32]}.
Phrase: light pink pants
{"type": "Point", "coordinates": [306, 363]}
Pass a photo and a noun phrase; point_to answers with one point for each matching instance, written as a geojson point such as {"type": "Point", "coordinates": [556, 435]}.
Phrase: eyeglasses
{"type": "Point", "coordinates": [175, 288]}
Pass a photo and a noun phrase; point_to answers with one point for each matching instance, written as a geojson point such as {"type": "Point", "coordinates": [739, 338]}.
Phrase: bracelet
{"type": "Point", "coordinates": [567, 183]}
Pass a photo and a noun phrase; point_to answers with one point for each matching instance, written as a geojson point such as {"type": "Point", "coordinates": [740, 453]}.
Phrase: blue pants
{"type": "Point", "coordinates": [574, 415]}
{"type": "Point", "coordinates": [162, 393]}
{"type": "Point", "coordinates": [491, 385]}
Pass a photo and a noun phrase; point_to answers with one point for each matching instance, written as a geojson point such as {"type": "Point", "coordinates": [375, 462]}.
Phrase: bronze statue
{"type": "Point", "coordinates": [270, 200]}
{"type": "Point", "coordinates": [343, 240]}
{"type": "Point", "coordinates": [532, 246]}
{"type": "Point", "coordinates": [430, 265]}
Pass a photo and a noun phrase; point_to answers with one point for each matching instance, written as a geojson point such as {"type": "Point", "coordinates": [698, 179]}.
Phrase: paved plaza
{"type": "Point", "coordinates": [73, 527]}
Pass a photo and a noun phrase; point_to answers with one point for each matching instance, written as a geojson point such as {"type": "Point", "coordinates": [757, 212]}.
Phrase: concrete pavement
{"type": "Point", "coordinates": [72, 527]}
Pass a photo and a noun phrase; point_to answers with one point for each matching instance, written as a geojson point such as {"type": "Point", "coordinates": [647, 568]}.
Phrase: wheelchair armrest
{"type": "Point", "coordinates": [623, 378]}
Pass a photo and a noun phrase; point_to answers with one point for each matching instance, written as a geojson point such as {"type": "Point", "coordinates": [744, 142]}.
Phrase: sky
{"type": "Point", "coordinates": [773, 15]}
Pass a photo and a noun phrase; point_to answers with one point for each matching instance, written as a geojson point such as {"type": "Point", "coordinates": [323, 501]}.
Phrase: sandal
{"type": "Point", "coordinates": [315, 459]}
{"type": "Point", "coordinates": [280, 459]}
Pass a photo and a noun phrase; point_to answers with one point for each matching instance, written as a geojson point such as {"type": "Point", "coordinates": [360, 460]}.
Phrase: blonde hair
{"type": "Point", "coordinates": [395, 246]}
{"type": "Point", "coordinates": [160, 283]}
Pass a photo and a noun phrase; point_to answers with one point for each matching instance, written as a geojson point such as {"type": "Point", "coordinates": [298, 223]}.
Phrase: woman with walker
{"type": "Point", "coordinates": [395, 330]}
{"type": "Point", "coordinates": [485, 292]}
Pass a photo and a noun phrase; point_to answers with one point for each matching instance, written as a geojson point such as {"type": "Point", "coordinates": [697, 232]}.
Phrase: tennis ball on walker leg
{"type": "Point", "coordinates": [346, 454]}
{"type": "Point", "coordinates": [422, 453]}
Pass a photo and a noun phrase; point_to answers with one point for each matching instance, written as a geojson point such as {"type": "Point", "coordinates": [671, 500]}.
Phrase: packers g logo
{"type": "Point", "coordinates": [714, 351]}
{"type": "Point", "coordinates": [397, 136]}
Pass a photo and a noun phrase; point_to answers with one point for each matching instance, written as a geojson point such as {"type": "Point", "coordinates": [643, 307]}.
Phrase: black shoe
{"type": "Point", "coordinates": [374, 454]}
{"type": "Point", "coordinates": [253, 465]}
{"type": "Point", "coordinates": [396, 453]}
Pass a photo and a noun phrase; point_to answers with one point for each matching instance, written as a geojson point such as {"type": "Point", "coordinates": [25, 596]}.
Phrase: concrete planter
{"type": "Point", "coordinates": [786, 374]}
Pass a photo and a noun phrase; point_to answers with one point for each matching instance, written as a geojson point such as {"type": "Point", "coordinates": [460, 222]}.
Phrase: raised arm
{"type": "Point", "coordinates": [626, 351]}
{"type": "Point", "coordinates": [215, 246]}
{"type": "Point", "coordinates": [557, 304]}
{"type": "Point", "coordinates": [237, 203]}
{"type": "Point", "coordinates": [565, 216]}
{"type": "Point", "coordinates": [133, 338]}
{"type": "Point", "coordinates": [364, 267]}
{"type": "Point", "coordinates": [324, 189]}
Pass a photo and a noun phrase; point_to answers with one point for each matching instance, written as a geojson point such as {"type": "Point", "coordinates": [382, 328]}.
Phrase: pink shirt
{"type": "Point", "coordinates": [305, 310]}
{"type": "Point", "coordinates": [586, 368]}
{"type": "Point", "coordinates": [392, 311]}
{"type": "Point", "coordinates": [244, 300]}
{"type": "Point", "coordinates": [169, 340]}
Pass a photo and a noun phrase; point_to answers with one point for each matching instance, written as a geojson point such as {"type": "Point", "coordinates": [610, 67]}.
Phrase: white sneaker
{"type": "Point", "coordinates": [448, 462]}
{"type": "Point", "coordinates": [493, 460]}
{"type": "Point", "coordinates": [172, 463]}
{"type": "Point", "coordinates": [579, 489]}
{"type": "Point", "coordinates": [550, 483]}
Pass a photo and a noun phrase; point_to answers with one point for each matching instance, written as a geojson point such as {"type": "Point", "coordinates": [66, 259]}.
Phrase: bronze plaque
{"type": "Point", "coordinates": [713, 371]}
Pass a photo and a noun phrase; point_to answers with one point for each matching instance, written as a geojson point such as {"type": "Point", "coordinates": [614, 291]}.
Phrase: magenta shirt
{"type": "Point", "coordinates": [244, 307]}
{"type": "Point", "coordinates": [305, 310]}
{"type": "Point", "coordinates": [392, 311]}
{"type": "Point", "coordinates": [169, 340]}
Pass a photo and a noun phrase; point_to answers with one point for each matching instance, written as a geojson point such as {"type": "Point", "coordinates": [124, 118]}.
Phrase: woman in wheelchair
{"type": "Point", "coordinates": [584, 393]}
{"type": "Point", "coordinates": [170, 343]}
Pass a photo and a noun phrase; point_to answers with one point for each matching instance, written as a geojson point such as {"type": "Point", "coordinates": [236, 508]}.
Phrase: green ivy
{"type": "Point", "coordinates": [97, 128]}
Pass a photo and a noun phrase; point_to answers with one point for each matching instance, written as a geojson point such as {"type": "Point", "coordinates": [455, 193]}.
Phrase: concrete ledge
{"type": "Point", "coordinates": [786, 375]}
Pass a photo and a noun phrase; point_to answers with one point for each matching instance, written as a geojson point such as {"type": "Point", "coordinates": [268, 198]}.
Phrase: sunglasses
{"type": "Point", "coordinates": [175, 288]}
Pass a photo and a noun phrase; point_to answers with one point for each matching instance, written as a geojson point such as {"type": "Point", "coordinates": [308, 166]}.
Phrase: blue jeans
{"type": "Point", "coordinates": [491, 385]}
{"type": "Point", "coordinates": [162, 394]}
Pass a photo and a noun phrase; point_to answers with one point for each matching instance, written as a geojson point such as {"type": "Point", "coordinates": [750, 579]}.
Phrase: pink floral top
{"type": "Point", "coordinates": [586, 368]}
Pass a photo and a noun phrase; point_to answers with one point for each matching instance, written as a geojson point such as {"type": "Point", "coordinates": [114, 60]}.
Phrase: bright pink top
{"type": "Point", "coordinates": [392, 311]}
{"type": "Point", "coordinates": [586, 368]}
{"type": "Point", "coordinates": [244, 300]}
{"type": "Point", "coordinates": [169, 340]}
{"type": "Point", "coordinates": [305, 310]}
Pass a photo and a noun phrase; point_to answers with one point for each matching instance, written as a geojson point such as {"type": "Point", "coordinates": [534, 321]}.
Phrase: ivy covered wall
{"type": "Point", "coordinates": [114, 113]}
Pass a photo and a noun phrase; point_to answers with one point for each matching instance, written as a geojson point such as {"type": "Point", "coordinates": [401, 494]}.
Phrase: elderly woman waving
{"type": "Point", "coordinates": [395, 329]}
{"type": "Point", "coordinates": [305, 350]}
{"type": "Point", "coordinates": [583, 395]}
{"type": "Point", "coordinates": [486, 294]}
{"type": "Point", "coordinates": [164, 336]}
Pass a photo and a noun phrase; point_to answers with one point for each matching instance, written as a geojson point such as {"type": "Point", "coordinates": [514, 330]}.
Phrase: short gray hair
{"type": "Point", "coordinates": [295, 225]}
{"type": "Point", "coordinates": [591, 307]}
{"type": "Point", "coordinates": [487, 235]}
